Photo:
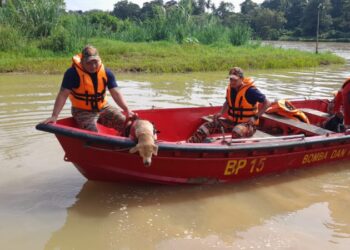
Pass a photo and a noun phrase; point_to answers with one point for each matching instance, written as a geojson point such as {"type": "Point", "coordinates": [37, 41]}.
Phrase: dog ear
{"type": "Point", "coordinates": [134, 149]}
{"type": "Point", "coordinates": [155, 149]}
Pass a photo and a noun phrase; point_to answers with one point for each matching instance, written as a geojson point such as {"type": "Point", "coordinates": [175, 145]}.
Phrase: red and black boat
{"type": "Point", "coordinates": [280, 144]}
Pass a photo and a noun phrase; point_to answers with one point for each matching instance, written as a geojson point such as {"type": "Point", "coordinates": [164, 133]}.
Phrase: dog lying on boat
{"type": "Point", "coordinates": [142, 131]}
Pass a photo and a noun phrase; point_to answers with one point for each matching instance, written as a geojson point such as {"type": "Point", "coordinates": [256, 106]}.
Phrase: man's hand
{"type": "Point", "coordinates": [51, 119]}
{"type": "Point", "coordinates": [252, 120]}
{"type": "Point", "coordinates": [59, 103]}
{"type": "Point", "coordinates": [131, 115]}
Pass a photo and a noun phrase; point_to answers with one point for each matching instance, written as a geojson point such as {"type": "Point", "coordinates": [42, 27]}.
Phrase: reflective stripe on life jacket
{"type": "Point", "coordinates": [286, 109]}
{"type": "Point", "coordinates": [87, 96]}
{"type": "Point", "coordinates": [242, 110]}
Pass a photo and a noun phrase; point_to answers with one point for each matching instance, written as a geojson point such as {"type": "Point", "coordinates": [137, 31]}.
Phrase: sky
{"type": "Point", "coordinates": [109, 4]}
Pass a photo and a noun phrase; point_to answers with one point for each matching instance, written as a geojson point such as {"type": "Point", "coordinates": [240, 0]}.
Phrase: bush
{"type": "Point", "coordinates": [62, 41]}
{"type": "Point", "coordinates": [209, 30]}
{"type": "Point", "coordinates": [35, 18]}
{"type": "Point", "coordinates": [104, 20]}
{"type": "Point", "coordinates": [133, 33]}
{"type": "Point", "coordinates": [10, 38]}
{"type": "Point", "coordinates": [77, 25]}
{"type": "Point", "coordinates": [240, 35]}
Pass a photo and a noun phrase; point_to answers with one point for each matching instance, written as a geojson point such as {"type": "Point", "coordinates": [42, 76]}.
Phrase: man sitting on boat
{"type": "Point", "coordinates": [339, 108]}
{"type": "Point", "coordinates": [241, 106]}
{"type": "Point", "coordinates": [85, 84]}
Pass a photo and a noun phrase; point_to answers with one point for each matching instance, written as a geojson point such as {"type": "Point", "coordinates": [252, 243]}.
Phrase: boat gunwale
{"type": "Point", "coordinates": [187, 147]}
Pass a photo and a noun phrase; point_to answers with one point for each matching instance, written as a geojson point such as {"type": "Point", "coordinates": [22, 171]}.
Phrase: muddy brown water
{"type": "Point", "coordinates": [46, 204]}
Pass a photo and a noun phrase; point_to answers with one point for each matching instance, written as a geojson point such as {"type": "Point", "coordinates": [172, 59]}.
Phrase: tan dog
{"type": "Point", "coordinates": [142, 131]}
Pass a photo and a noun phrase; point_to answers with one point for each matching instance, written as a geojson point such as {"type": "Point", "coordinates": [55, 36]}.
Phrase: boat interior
{"type": "Point", "coordinates": [178, 124]}
{"type": "Point", "coordinates": [271, 126]}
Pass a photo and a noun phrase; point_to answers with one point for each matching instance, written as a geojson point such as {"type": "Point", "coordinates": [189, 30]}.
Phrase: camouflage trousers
{"type": "Point", "coordinates": [109, 116]}
{"type": "Point", "coordinates": [241, 130]}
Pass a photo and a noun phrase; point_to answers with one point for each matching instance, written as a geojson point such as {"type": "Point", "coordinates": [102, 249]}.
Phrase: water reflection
{"type": "Point", "coordinates": [271, 212]}
{"type": "Point", "coordinates": [341, 49]}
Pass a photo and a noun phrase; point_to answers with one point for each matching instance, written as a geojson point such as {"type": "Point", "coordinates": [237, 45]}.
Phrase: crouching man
{"type": "Point", "coordinates": [241, 106]}
{"type": "Point", "coordinates": [86, 83]}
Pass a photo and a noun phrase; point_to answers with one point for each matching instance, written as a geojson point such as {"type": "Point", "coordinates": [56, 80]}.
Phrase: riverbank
{"type": "Point", "coordinates": [162, 57]}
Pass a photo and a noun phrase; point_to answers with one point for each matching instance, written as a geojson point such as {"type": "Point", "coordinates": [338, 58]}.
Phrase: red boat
{"type": "Point", "coordinates": [280, 144]}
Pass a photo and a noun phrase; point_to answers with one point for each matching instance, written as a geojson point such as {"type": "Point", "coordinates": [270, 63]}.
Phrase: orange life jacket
{"type": "Point", "coordinates": [240, 110]}
{"type": "Point", "coordinates": [86, 96]}
{"type": "Point", "coordinates": [286, 109]}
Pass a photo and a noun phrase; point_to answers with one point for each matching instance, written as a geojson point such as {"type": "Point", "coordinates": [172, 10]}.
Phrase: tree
{"type": "Point", "coordinates": [346, 15]}
{"type": "Point", "coordinates": [340, 13]}
{"type": "Point", "coordinates": [124, 10]}
{"type": "Point", "coordinates": [267, 23]}
{"type": "Point", "coordinates": [294, 13]}
{"type": "Point", "coordinates": [309, 20]}
{"type": "Point", "coordinates": [199, 7]}
{"type": "Point", "coordinates": [248, 6]}
{"type": "Point", "coordinates": [337, 7]}
{"type": "Point", "coordinates": [224, 10]}
{"type": "Point", "coordinates": [151, 9]}
{"type": "Point", "coordinates": [170, 4]}
{"type": "Point", "coordinates": [277, 5]}
{"type": "Point", "coordinates": [103, 20]}
{"type": "Point", "coordinates": [210, 6]}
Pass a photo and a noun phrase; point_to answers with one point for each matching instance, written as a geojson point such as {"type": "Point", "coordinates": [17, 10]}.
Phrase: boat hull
{"type": "Point", "coordinates": [105, 156]}
{"type": "Point", "coordinates": [116, 164]}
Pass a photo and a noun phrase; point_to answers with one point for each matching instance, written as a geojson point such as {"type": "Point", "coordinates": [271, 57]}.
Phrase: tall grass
{"type": "Point", "coordinates": [240, 34]}
{"type": "Point", "coordinates": [208, 30]}
{"type": "Point", "coordinates": [46, 22]}
{"type": "Point", "coordinates": [43, 37]}
{"type": "Point", "coordinates": [70, 34]}
{"type": "Point", "coordinates": [171, 57]}
{"type": "Point", "coordinates": [10, 38]}
{"type": "Point", "coordinates": [179, 23]}
{"type": "Point", "coordinates": [35, 18]}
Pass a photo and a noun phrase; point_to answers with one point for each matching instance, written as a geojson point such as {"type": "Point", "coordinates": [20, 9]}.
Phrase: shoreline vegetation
{"type": "Point", "coordinates": [168, 57]}
{"type": "Point", "coordinates": [41, 36]}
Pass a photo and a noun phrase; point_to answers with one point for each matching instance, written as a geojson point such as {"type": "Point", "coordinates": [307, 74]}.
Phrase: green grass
{"type": "Point", "coordinates": [168, 57]}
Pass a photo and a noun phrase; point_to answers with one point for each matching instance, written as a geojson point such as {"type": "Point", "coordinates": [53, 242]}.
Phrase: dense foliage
{"type": "Point", "coordinates": [44, 24]}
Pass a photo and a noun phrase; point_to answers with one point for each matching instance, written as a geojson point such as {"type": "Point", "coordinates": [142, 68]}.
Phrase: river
{"type": "Point", "coordinates": [46, 204]}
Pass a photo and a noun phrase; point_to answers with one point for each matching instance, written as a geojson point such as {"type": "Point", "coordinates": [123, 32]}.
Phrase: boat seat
{"type": "Point", "coordinates": [308, 128]}
{"type": "Point", "coordinates": [315, 112]}
{"type": "Point", "coordinates": [219, 137]}
{"type": "Point", "coordinates": [261, 134]}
